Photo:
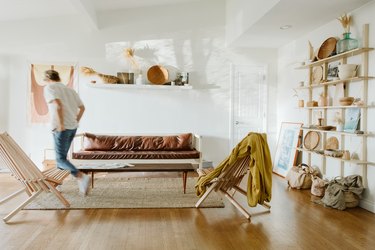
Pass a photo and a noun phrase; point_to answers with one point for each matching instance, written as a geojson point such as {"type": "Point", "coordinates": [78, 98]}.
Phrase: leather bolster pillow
{"type": "Point", "coordinates": [93, 142]}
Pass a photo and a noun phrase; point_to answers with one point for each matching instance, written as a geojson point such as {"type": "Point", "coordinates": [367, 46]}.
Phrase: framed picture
{"type": "Point", "coordinates": [333, 71]}
{"type": "Point", "coordinates": [352, 117]}
{"type": "Point", "coordinates": [286, 152]}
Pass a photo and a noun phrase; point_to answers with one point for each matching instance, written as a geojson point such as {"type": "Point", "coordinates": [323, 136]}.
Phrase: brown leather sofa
{"type": "Point", "coordinates": [182, 148]}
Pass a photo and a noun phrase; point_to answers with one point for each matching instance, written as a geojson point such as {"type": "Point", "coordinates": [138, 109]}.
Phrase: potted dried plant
{"type": "Point", "coordinates": [347, 43]}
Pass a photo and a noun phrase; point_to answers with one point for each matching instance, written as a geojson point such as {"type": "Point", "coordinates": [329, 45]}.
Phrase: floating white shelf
{"type": "Point", "coordinates": [135, 86]}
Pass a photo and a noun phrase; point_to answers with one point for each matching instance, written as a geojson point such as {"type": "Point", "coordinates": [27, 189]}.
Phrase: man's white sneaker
{"type": "Point", "coordinates": [84, 184]}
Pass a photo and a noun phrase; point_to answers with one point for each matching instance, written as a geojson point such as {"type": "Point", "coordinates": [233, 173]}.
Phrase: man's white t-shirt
{"type": "Point", "coordinates": [70, 103]}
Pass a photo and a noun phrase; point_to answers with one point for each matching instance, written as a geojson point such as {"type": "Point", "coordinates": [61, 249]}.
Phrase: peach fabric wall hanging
{"type": "Point", "coordinates": [38, 105]}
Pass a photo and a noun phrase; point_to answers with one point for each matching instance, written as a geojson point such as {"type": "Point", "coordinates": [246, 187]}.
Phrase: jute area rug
{"type": "Point", "coordinates": [110, 192]}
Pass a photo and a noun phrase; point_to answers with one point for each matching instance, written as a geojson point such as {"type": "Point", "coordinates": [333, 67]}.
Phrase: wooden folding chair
{"type": "Point", "coordinates": [25, 171]}
{"type": "Point", "coordinates": [229, 179]}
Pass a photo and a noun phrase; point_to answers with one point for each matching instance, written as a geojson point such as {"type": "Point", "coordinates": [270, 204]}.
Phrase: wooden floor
{"type": "Point", "coordinates": [294, 223]}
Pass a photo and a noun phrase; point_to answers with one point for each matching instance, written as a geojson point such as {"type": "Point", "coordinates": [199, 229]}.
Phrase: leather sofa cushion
{"type": "Point", "coordinates": [92, 142]}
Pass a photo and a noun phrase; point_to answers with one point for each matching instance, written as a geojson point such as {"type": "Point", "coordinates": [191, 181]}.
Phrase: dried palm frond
{"type": "Point", "coordinates": [106, 78]}
{"type": "Point", "coordinates": [345, 21]}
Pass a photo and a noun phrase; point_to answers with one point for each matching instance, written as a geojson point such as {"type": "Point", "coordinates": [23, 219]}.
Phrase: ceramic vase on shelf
{"type": "Point", "coordinates": [346, 44]}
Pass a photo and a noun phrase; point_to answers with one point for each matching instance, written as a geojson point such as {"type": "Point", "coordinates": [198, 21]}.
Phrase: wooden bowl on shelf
{"type": "Point", "coordinates": [346, 101]}
{"type": "Point", "coordinates": [312, 104]}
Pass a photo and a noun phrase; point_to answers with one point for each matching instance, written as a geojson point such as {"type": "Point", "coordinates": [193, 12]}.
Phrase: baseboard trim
{"type": "Point", "coordinates": [368, 205]}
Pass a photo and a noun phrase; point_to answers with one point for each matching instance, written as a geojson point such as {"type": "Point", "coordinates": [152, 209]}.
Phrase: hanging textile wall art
{"type": "Point", "coordinates": [38, 105]}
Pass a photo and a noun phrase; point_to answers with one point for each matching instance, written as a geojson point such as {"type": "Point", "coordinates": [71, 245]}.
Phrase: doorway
{"type": "Point", "coordinates": [249, 97]}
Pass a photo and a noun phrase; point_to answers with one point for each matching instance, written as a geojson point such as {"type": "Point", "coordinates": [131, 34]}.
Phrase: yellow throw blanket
{"type": "Point", "coordinates": [259, 185]}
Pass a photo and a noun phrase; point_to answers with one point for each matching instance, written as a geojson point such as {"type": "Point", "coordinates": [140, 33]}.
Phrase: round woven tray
{"type": "Point", "coordinates": [317, 75]}
{"type": "Point", "coordinates": [157, 74]}
{"type": "Point", "coordinates": [311, 140]}
{"type": "Point", "coordinates": [327, 48]}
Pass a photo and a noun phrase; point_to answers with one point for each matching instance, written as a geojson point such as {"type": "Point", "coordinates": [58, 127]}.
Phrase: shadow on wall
{"type": "Point", "coordinates": [212, 146]}
{"type": "Point", "coordinates": [176, 55]}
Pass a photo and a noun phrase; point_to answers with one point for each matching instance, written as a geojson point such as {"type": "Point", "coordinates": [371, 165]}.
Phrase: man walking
{"type": "Point", "coordinates": [66, 110]}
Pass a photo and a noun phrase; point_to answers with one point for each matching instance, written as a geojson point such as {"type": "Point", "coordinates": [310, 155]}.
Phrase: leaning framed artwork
{"type": "Point", "coordinates": [286, 150]}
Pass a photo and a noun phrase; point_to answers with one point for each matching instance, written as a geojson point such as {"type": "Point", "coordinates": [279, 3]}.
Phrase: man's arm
{"type": "Point", "coordinates": [60, 114]}
{"type": "Point", "coordinates": [80, 112]}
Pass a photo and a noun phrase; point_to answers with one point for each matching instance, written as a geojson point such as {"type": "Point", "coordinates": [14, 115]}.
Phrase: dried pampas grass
{"type": "Point", "coordinates": [129, 55]}
{"type": "Point", "coordinates": [345, 21]}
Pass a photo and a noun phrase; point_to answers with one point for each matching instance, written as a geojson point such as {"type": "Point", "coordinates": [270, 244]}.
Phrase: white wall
{"type": "Point", "coordinates": [4, 74]}
{"type": "Point", "coordinates": [288, 78]}
{"type": "Point", "coordinates": [198, 48]}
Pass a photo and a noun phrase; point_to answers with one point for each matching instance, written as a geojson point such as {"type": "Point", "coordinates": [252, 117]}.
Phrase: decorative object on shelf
{"type": "Point", "coordinates": [347, 43]}
{"type": "Point", "coordinates": [358, 102]}
{"type": "Point", "coordinates": [125, 77]}
{"type": "Point", "coordinates": [286, 149]}
{"type": "Point", "coordinates": [333, 71]}
{"type": "Point", "coordinates": [352, 117]}
{"type": "Point", "coordinates": [129, 56]}
{"type": "Point", "coordinates": [157, 74]}
{"type": "Point", "coordinates": [312, 104]}
{"type": "Point", "coordinates": [311, 140]}
{"type": "Point", "coordinates": [323, 100]}
{"type": "Point", "coordinates": [317, 74]}
{"type": "Point", "coordinates": [301, 103]}
{"type": "Point", "coordinates": [311, 53]}
{"type": "Point", "coordinates": [327, 128]}
{"type": "Point", "coordinates": [347, 71]}
{"type": "Point", "coordinates": [339, 92]}
{"type": "Point", "coordinates": [106, 78]}
{"type": "Point", "coordinates": [346, 155]}
{"type": "Point", "coordinates": [327, 49]}
{"type": "Point", "coordinates": [339, 121]}
{"type": "Point", "coordinates": [333, 152]}
{"type": "Point", "coordinates": [320, 122]}
{"type": "Point", "coordinates": [139, 79]}
{"type": "Point", "coordinates": [332, 143]}
{"type": "Point", "coordinates": [346, 101]}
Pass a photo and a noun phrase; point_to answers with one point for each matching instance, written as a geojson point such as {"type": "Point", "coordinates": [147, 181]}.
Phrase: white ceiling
{"type": "Point", "coordinates": [303, 15]}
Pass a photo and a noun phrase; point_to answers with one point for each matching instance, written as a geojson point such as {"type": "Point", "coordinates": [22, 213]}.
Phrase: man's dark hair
{"type": "Point", "coordinates": [52, 75]}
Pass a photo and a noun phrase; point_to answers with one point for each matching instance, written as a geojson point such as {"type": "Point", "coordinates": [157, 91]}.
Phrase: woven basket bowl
{"type": "Point", "coordinates": [327, 48]}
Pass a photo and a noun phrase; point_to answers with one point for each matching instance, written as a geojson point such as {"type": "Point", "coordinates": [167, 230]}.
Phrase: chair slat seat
{"type": "Point", "coordinates": [25, 171]}
{"type": "Point", "coordinates": [56, 175]}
